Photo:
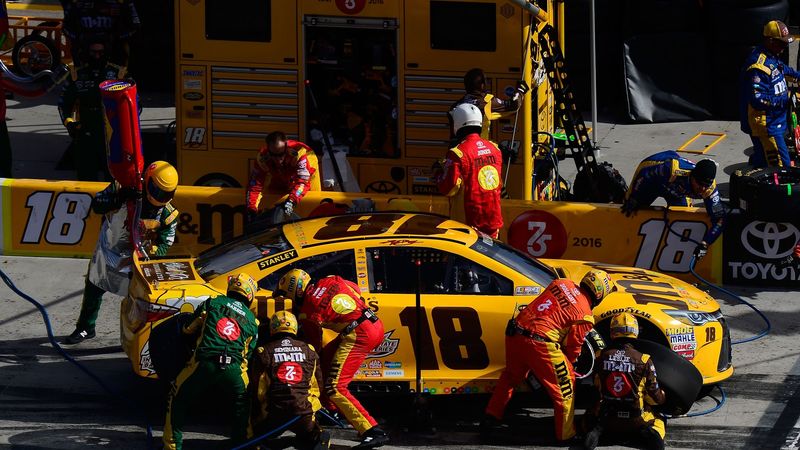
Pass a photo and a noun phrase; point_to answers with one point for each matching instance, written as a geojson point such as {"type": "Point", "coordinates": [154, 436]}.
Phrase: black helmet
{"type": "Point", "coordinates": [705, 172]}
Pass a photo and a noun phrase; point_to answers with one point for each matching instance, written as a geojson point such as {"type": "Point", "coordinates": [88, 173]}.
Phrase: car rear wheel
{"type": "Point", "coordinates": [679, 378]}
{"type": "Point", "coordinates": [170, 347]}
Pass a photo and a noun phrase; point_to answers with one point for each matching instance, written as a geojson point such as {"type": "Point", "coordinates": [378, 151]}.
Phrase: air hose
{"type": "Point", "coordinates": [723, 398]}
{"type": "Point", "coordinates": [693, 262]}
{"type": "Point", "coordinates": [54, 343]}
{"type": "Point", "coordinates": [68, 357]}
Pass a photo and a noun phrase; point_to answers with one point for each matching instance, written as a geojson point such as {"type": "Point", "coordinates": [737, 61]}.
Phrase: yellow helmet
{"type": "Point", "coordinates": [160, 182]}
{"type": "Point", "coordinates": [244, 285]}
{"type": "Point", "coordinates": [293, 284]}
{"type": "Point", "coordinates": [598, 283]}
{"type": "Point", "coordinates": [624, 325]}
{"type": "Point", "coordinates": [283, 322]}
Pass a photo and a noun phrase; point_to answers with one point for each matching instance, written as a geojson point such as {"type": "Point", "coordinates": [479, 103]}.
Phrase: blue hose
{"type": "Point", "coordinates": [68, 357]}
{"type": "Point", "coordinates": [768, 325]}
{"type": "Point", "coordinates": [267, 434]}
{"type": "Point", "coordinates": [720, 402]}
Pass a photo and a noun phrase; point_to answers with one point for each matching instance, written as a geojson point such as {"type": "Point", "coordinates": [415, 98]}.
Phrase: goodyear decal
{"type": "Point", "coordinates": [277, 259]}
{"type": "Point", "coordinates": [634, 311]}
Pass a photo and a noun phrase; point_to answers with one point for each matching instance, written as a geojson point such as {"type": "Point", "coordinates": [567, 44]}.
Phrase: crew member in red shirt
{"type": "Point", "coordinates": [284, 166]}
{"type": "Point", "coordinates": [336, 304]}
{"type": "Point", "coordinates": [547, 337]}
{"type": "Point", "coordinates": [472, 169]}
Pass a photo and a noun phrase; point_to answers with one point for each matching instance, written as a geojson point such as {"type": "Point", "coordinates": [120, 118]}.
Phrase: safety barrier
{"type": "Point", "coordinates": [54, 218]}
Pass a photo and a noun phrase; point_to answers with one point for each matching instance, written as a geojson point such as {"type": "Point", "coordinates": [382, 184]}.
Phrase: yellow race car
{"type": "Point", "coordinates": [443, 291]}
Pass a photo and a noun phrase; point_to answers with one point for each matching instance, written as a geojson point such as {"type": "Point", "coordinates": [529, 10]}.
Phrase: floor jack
{"type": "Point", "coordinates": [420, 419]}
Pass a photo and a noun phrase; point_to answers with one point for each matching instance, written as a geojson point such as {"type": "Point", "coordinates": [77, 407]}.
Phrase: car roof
{"type": "Point", "coordinates": [371, 225]}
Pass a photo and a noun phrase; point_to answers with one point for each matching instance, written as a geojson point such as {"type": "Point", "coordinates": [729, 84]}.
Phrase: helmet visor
{"type": "Point", "coordinates": [157, 194]}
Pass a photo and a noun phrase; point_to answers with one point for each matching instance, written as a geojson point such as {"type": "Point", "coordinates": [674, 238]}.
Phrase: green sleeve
{"type": "Point", "coordinates": [166, 234]}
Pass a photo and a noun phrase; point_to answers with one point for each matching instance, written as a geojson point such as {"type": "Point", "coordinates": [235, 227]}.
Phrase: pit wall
{"type": "Point", "coordinates": [54, 218]}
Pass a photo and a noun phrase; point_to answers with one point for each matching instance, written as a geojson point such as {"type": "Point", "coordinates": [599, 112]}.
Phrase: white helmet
{"type": "Point", "coordinates": [466, 115]}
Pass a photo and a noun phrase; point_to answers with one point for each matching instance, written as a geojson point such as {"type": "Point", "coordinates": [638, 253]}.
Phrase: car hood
{"type": "Point", "coordinates": [641, 288]}
{"type": "Point", "coordinates": [163, 274]}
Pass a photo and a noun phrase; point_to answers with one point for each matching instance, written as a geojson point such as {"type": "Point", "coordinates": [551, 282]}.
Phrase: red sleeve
{"type": "Point", "coordinates": [254, 187]}
{"type": "Point", "coordinates": [574, 339]}
{"type": "Point", "coordinates": [300, 183]}
{"type": "Point", "coordinates": [451, 178]}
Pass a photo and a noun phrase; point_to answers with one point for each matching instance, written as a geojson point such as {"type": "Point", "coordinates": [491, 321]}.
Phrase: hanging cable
{"type": "Point", "coordinates": [68, 357]}
{"type": "Point", "coordinates": [693, 262]}
{"type": "Point", "coordinates": [516, 114]}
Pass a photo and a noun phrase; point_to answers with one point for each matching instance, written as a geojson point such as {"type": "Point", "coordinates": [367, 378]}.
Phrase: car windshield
{"type": "Point", "coordinates": [239, 252]}
{"type": "Point", "coordinates": [513, 258]}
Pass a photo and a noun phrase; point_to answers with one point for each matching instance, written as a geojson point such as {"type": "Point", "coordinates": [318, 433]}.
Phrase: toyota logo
{"type": "Point", "coordinates": [770, 240]}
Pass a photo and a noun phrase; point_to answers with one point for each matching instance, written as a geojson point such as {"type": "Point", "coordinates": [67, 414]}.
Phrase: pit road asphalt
{"type": "Point", "coordinates": [46, 403]}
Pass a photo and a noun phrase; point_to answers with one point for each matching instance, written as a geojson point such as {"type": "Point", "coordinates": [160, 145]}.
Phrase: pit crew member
{"type": "Point", "coordinates": [678, 180]}
{"type": "Point", "coordinates": [227, 334]}
{"type": "Point", "coordinates": [113, 20]}
{"type": "Point", "coordinates": [286, 377]}
{"type": "Point", "coordinates": [110, 267]}
{"type": "Point", "coordinates": [336, 304]}
{"type": "Point", "coordinates": [81, 109]}
{"type": "Point", "coordinates": [546, 338]}
{"type": "Point", "coordinates": [284, 166]}
{"type": "Point", "coordinates": [764, 99]}
{"type": "Point", "coordinates": [491, 107]}
{"type": "Point", "coordinates": [473, 169]}
{"type": "Point", "coordinates": [626, 380]}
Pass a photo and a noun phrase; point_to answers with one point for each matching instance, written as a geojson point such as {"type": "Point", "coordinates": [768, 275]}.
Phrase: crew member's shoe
{"type": "Point", "coordinates": [592, 438]}
{"type": "Point", "coordinates": [79, 336]}
{"type": "Point", "coordinates": [374, 437]}
{"type": "Point", "coordinates": [490, 424]}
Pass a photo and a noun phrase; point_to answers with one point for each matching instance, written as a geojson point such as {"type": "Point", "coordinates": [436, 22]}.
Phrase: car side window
{"type": "Point", "coordinates": [395, 270]}
{"type": "Point", "coordinates": [340, 263]}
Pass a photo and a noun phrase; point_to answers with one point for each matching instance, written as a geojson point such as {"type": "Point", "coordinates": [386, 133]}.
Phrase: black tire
{"type": "Point", "coordinates": [756, 194]}
{"type": "Point", "coordinates": [170, 348]}
{"type": "Point", "coordinates": [611, 186]}
{"type": "Point", "coordinates": [33, 54]}
{"type": "Point", "coordinates": [679, 378]}
{"type": "Point", "coordinates": [217, 180]}
{"type": "Point", "coordinates": [47, 23]}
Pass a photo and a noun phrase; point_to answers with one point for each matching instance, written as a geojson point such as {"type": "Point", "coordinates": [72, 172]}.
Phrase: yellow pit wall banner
{"type": "Point", "coordinates": [54, 218]}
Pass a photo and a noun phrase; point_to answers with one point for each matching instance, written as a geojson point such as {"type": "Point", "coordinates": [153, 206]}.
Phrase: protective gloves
{"type": "Point", "coordinates": [288, 207]}
{"type": "Point", "coordinates": [700, 251]}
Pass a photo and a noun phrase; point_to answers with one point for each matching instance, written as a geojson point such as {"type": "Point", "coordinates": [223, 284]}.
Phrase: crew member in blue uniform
{"type": "Point", "coordinates": [678, 180]}
{"type": "Point", "coordinates": [765, 99]}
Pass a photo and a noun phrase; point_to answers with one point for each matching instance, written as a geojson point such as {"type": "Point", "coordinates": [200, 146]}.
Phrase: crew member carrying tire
{"type": "Point", "coordinates": [228, 332]}
{"type": "Point", "coordinates": [546, 338]}
{"type": "Point", "coordinates": [473, 169]}
{"type": "Point", "coordinates": [286, 377]}
{"type": "Point", "coordinates": [765, 98]}
{"type": "Point", "coordinates": [678, 180]}
{"type": "Point", "coordinates": [336, 304]}
{"type": "Point", "coordinates": [284, 166]}
{"type": "Point", "coordinates": [628, 388]}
